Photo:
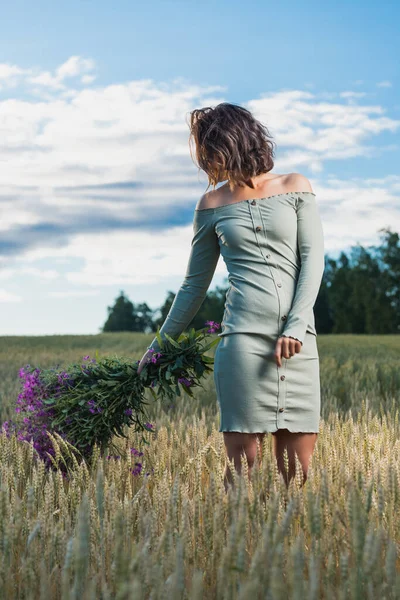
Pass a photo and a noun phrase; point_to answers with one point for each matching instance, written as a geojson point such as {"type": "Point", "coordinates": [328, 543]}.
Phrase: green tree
{"type": "Point", "coordinates": [338, 276]}
{"type": "Point", "coordinates": [126, 316]}
{"type": "Point", "coordinates": [212, 309]}
{"type": "Point", "coordinates": [388, 254]}
{"type": "Point", "coordinates": [360, 291]}
{"type": "Point", "coordinates": [323, 310]}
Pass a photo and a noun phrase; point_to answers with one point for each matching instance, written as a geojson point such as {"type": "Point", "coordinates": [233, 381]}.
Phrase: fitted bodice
{"type": "Point", "coordinates": [274, 253]}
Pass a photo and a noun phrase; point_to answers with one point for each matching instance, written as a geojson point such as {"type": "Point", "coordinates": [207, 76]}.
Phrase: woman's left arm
{"type": "Point", "coordinates": [310, 241]}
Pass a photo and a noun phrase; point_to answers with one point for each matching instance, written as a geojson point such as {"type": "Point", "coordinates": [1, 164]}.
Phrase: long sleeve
{"type": "Point", "coordinates": [203, 259]}
{"type": "Point", "coordinates": [310, 242]}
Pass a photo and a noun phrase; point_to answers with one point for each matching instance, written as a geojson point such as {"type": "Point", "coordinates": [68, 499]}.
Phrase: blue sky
{"type": "Point", "coordinates": [97, 186]}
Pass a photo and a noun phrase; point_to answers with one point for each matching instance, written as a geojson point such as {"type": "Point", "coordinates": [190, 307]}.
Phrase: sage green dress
{"type": "Point", "coordinates": [274, 252]}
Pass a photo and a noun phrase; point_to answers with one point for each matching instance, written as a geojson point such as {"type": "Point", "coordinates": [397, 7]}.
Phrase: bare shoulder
{"type": "Point", "coordinates": [298, 182]}
{"type": "Point", "coordinates": [208, 200]}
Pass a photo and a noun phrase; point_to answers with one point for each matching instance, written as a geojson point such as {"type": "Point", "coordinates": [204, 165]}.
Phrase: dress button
{"type": "Point", "coordinates": [281, 409]}
{"type": "Point", "coordinates": [258, 228]}
{"type": "Point", "coordinates": [279, 284]}
{"type": "Point", "coordinates": [284, 318]}
{"type": "Point", "coordinates": [268, 256]}
{"type": "Point", "coordinates": [282, 377]}
{"type": "Point", "coordinates": [254, 203]}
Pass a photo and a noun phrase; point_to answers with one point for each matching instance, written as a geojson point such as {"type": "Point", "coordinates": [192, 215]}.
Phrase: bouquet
{"type": "Point", "coordinates": [90, 403]}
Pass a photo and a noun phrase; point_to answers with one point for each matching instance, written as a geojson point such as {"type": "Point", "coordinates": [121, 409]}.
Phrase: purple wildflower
{"type": "Point", "coordinates": [93, 408]}
{"type": "Point", "coordinates": [9, 427]}
{"type": "Point", "coordinates": [185, 381]}
{"type": "Point", "coordinates": [213, 326]}
{"type": "Point", "coordinates": [136, 452]}
{"type": "Point", "coordinates": [137, 469]}
{"type": "Point", "coordinates": [36, 421]}
{"type": "Point", "coordinates": [155, 356]}
{"type": "Point", "coordinates": [128, 411]}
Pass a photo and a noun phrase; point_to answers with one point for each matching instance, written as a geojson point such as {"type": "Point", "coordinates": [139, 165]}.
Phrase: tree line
{"type": "Point", "coordinates": [359, 293]}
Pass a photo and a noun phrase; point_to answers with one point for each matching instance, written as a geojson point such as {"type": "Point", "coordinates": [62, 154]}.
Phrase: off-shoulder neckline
{"type": "Point", "coordinates": [249, 200]}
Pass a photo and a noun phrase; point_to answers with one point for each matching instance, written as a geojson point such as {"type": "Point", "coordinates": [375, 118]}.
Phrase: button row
{"type": "Point", "coordinates": [279, 284]}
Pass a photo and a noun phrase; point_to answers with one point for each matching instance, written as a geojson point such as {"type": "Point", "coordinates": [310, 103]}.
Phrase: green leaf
{"type": "Point", "coordinates": [159, 338]}
{"type": "Point", "coordinates": [153, 393]}
{"type": "Point", "coordinates": [211, 344]}
{"type": "Point", "coordinates": [179, 362]}
{"type": "Point", "coordinates": [172, 341]}
{"type": "Point", "coordinates": [187, 390]}
{"type": "Point", "coordinates": [207, 359]}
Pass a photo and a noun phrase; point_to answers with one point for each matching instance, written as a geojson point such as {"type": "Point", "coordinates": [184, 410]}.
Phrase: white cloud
{"type": "Point", "coordinates": [62, 149]}
{"type": "Point", "coordinates": [350, 95]}
{"type": "Point", "coordinates": [74, 294]}
{"type": "Point", "coordinates": [88, 78]}
{"type": "Point", "coordinates": [40, 273]}
{"type": "Point", "coordinates": [74, 66]}
{"type": "Point", "coordinates": [9, 297]}
{"type": "Point", "coordinates": [10, 76]}
{"type": "Point", "coordinates": [7, 71]}
{"type": "Point", "coordinates": [351, 212]}
{"type": "Point", "coordinates": [124, 257]}
{"type": "Point", "coordinates": [387, 84]}
{"type": "Point", "coordinates": [34, 271]}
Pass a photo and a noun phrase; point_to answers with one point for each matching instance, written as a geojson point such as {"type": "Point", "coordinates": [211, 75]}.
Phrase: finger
{"type": "Point", "coordinates": [277, 353]}
{"type": "Point", "coordinates": [285, 347]}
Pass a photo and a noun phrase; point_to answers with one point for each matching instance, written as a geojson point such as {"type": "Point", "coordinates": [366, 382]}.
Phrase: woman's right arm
{"type": "Point", "coordinates": [203, 259]}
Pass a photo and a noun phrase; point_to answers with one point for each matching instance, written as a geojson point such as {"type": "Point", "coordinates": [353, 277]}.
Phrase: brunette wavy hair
{"type": "Point", "coordinates": [231, 144]}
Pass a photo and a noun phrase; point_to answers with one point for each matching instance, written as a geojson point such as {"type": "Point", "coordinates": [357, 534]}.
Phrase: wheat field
{"type": "Point", "coordinates": [172, 531]}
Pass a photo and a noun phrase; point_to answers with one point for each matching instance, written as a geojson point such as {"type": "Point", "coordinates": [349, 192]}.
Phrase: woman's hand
{"type": "Point", "coordinates": [285, 348]}
{"type": "Point", "coordinates": [144, 360]}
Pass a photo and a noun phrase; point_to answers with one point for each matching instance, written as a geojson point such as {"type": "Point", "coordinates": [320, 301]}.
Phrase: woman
{"type": "Point", "coordinates": [268, 230]}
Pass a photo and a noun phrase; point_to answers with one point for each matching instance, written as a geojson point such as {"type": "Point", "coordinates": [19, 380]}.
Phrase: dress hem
{"type": "Point", "coordinates": [269, 430]}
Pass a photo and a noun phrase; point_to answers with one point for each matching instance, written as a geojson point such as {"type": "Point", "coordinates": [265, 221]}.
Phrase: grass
{"type": "Point", "coordinates": [175, 533]}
